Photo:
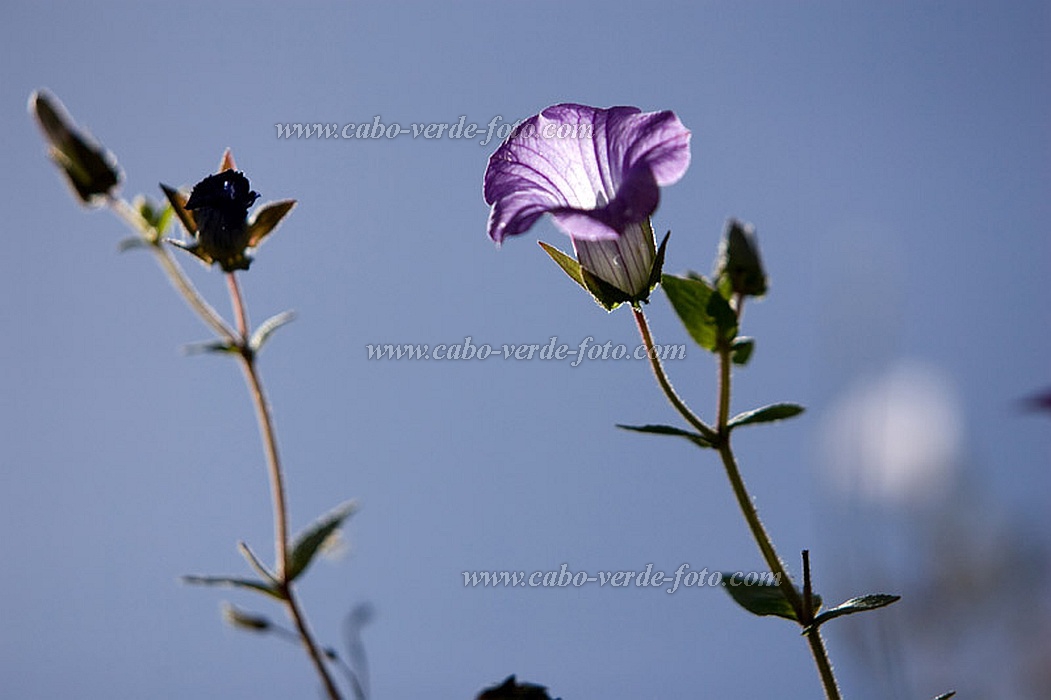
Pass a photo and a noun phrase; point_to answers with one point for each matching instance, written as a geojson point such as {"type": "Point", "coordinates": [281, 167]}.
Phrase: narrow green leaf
{"type": "Point", "coordinates": [90, 169]}
{"type": "Point", "coordinates": [220, 346]}
{"type": "Point", "coordinates": [707, 316]}
{"type": "Point", "coordinates": [255, 563]}
{"type": "Point", "coordinates": [695, 438]}
{"type": "Point", "coordinates": [250, 622]}
{"type": "Point", "coordinates": [946, 696]}
{"type": "Point", "coordinates": [266, 219]}
{"type": "Point", "coordinates": [762, 598]}
{"type": "Point", "coordinates": [307, 543]}
{"type": "Point", "coordinates": [234, 582]}
{"type": "Point", "coordinates": [856, 605]}
{"type": "Point", "coordinates": [766, 414]}
{"type": "Point", "coordinates": [267, 327]}
{"type": "Point", "coordinates": [742, 349]}
{"type": "Point", "coordinates": [132, 243]}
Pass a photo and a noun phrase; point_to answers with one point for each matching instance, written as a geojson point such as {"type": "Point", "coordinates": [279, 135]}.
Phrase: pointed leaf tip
{"type": "Point", "coordinates": [267, 327]}
{"type": "Point", "coordinates": [695, 438]}
{"type": "Point", "coordinates": [308, 542]}
{"type": "Point", "coordinates": [855, 605]}
{"type": "Point", "coordinates": [266, 219]}
{"type": "Point", "coordinates": [766, 414]}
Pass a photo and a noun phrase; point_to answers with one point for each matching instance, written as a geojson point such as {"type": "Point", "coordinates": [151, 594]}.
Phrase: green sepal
{"type": "Point", "coordinates": [741, 350]}
{"type": "Point", "coordinates": [608, 296]}
{"type": "Point", "coordinates": [766, 414]}
{"type": "Point", "coordinates": [763, 598]}
{"type": "Point", "coordinates": [266, 218]}
{"type": "Point", "coordinates": [854, 605]}
{"type": "Point", "coordinates": [261, 586]}
{"type": "Point", "coordinates": [695, 438]}
{"type": "Point", "coordinates": [177, 201]}
{"type": "Point", "coordinates": [658, 261]}
{"type": "Point", "coordinates": [307, 543]}
{"type": "Point", "coordinates": [91, 170]}
{"type": "Point", "coordinates": [739, 269]}
{"type": "Point", "coordinates": [707, 315]}
{"type": "Point", "coordinates": [267, 327]}
{"type": "Point", "coordinates": [568, 264]}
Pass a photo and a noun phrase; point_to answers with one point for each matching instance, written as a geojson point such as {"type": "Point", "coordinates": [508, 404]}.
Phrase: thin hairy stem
{"type": "Point", "coordinates": [277, 487]}
{"type": "Point", "coordinates": [662, 378]}
{"type": "Point", "coordinates": [172, 270]}
{"type": "Point", "coordinates": [720, 439]}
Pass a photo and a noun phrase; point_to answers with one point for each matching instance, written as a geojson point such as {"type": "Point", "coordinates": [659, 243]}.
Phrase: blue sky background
{"type": "Point", "coordinates": [895, 161]}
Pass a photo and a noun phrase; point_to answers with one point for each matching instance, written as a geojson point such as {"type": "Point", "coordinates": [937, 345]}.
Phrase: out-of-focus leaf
{"type": "Point", "coordinates": [307, 543]}
{"type": "Point", "coordinates": [267, 327]}
{"type": "Point", "coordinates": [234, 582]}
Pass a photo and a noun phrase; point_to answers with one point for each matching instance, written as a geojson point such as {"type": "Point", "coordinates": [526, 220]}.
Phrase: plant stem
{"type": "Point", "coordinates": [662, 378]}
{"type": "Point", "coordinates": [277, 487]}
{"type": "Point", "coordinates": [720, 438]}
{"type": "Point", "coordinates": [172, 270]}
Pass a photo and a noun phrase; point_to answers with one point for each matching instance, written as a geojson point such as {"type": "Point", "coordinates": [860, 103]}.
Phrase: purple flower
{"type": "Point", "coordinates": [598, 172]}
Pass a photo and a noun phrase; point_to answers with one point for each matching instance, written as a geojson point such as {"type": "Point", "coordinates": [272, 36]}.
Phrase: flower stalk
{"type": "Point", "coordinates": [720, 439]}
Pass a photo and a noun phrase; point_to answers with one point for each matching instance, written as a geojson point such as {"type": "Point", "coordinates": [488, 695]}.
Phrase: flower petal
{"type": "Point", "coordinates": [596, 170]}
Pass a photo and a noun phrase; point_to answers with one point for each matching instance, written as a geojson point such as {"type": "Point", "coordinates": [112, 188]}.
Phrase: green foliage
{"type": "Point", "coordinates": [695, 438]}
{"type": "Point", "coordinates": [741, 350]}
{"type": "Point", "coordinates": [854, 605]}
{"type": "Point", "coordinates": [307, 543]}
{"type": "Point", "coordinates": [763, 598]}
{"type": "Point", "coordinates": [739, 269]}
{"type": "Point", "coordinates": [706, 314]}
{"type": "Point", "coordinates": [263, 587]}
{"type": "Point", "coordinates": [766, 414]}
{"type": "Point", "coordinates": [267, 327]}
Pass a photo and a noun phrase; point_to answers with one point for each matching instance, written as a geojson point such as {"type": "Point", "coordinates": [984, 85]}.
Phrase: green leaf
{"type": "Point", "coordinates": [132, 243]}
{"type": "Point", "coordinates": [762, 598]}
{"type": "Point", "coordinates": [766, 414]}
{"type": "Point", "coordinates": [267, 327]}
{"type": "Point", "coordinates": [250, 622]}
{"type": "Point", "coordinates": [254, 562]}
{"type": "Point", "coordinates": [742, 349]}
{"type": "Point", "coordinates": [307, 543]}
{"type": "Point", "coordinates": [740, 268]}
{"type": "Point", "coordinates": [695, 438]}
{"type": "Point", "coordinates": [90, 168]}
{"type": "Point", "coordinates": [266, 219]}
{"type": "Point", "coordinates": [855, 605]}
{"type": "Point", "coordinates": [234, 582]}
{"type": "Point", "coordinates": [707, 315]}
{"type": "Point", "coordinates": [946, 696]}
{"type": "Point", "coordinates": [220, 346]}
